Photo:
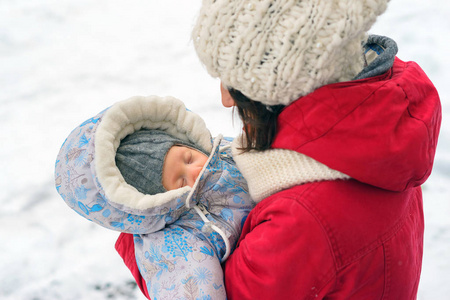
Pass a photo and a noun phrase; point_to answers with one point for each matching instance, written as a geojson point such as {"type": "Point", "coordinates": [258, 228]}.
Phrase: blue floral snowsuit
{"type": "Point", "coordinates": [181, 240]}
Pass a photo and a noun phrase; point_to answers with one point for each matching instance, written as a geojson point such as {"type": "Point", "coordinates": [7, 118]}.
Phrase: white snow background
{"type": "Point", "coordinates": [61, 62]}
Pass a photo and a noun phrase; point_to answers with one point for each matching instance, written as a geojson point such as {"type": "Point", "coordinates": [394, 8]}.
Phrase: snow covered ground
{"type": "Point", "coordinates": [61, 62]}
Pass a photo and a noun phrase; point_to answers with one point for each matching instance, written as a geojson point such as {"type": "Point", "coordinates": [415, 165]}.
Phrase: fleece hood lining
{"type": "Point", "coordinates": [123, 118]}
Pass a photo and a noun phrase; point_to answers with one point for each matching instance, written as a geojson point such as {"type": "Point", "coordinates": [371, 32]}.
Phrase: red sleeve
{"type": "Point", "coordinates": [283, 254]}
{"type": "Point", "coordinates": [125, 248]}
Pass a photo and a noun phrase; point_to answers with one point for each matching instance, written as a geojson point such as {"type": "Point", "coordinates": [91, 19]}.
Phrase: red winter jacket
{"type": "Point", "coordinates": [360, 238]}
{"type": "Point", "coordinates": [125, 248]}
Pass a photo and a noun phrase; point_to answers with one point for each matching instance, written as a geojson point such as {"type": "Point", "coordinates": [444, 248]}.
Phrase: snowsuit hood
{"type": "Point", "coordinates": [89, 181]}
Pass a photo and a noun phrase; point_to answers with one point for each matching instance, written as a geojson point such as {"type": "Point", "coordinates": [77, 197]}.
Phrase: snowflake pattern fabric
{"type": "Point", "coordinates": [177, 255]}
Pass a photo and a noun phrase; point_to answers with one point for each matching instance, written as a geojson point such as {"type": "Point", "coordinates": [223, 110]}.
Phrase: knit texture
{"type": "Point", "coordinates": [270, 171]}
{"type": "Point", "coordinates": [276, 51]}
{"type": "Point", "coordinates": [141, 155]}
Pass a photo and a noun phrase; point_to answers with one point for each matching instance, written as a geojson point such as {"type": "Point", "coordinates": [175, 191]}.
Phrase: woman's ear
{"type": "Point", "coordinates": [227, 100]}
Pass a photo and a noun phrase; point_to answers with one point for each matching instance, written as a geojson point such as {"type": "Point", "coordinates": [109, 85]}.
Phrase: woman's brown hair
{"type": "Point", "coordinates": [260, 121]}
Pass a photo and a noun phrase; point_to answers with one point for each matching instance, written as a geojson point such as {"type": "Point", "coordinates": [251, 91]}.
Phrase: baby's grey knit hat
{"type": "Point", "coordinates": [274, 51]}
{"type": "Point", "coordinates": [140, 158]}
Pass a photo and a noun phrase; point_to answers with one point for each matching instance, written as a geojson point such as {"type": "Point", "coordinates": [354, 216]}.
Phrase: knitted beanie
{"type": "Point", "coordinates": [140, 158]}
{"type": "Point", "coordinates": [275, 51]}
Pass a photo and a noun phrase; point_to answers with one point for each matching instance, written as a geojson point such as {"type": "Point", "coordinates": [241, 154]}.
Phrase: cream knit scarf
{"type": "Point", "coordinates": [271, 171]}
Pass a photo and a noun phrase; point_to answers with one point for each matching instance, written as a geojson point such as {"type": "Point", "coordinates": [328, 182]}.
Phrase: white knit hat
{"type": "Point", "coordinates": [276, 51]}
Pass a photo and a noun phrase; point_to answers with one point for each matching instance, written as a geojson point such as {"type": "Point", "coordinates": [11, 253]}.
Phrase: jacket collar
{"type": "Point", "coordinates": [379, 56]}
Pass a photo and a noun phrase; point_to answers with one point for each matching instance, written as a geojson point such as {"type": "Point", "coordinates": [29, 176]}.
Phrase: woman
{"type": "Point", "coordinates": [339, 134]}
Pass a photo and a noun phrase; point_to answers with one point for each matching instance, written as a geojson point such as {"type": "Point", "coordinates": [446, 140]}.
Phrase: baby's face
{"type": "Point", "coordinates": [181, 167]}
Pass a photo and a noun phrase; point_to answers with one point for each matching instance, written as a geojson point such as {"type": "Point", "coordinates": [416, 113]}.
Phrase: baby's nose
{"type": "Point", "coordinates": [194, 172]}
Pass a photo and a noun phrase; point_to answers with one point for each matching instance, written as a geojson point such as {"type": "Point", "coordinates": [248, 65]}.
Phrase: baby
{"type": "Point", "coordinates": [147, 166]}
{"type": "Point", "coordinates": [155, 162]}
